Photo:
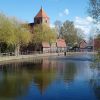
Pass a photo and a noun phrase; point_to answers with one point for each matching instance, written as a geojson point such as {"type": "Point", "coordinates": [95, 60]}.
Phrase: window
{"type": "Point", "coordinates": [38, 21]}
{"type": "Point", "coordinates": [46, 21]}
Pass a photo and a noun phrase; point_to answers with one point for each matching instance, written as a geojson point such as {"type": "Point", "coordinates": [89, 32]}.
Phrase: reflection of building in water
{"type": "Point", "coordinates": [14, 83]}
{"type": "Point", "coordinates": [49, 65]}
{"type": "Point", "coordinates": [16, 77]}
{"type": "Point", "coordinates": [44, 77]}
{"type": "Point", "coordinates": [41, 72]}
{"type": "Point", "coordinates": [67, 70]}
{"type": "Point", "coordinates": [19, 65]}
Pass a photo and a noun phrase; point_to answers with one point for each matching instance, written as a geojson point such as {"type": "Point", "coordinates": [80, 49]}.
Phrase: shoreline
{"type": "Point", "coordinates": [21, 57]}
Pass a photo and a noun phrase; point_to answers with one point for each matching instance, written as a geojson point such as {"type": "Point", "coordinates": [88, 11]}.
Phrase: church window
{"type": "Point", "coordinates": [38, 21]}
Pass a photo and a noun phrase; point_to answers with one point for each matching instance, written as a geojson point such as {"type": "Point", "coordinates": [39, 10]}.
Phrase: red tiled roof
{"type": "Point", "coordinates": [41, 13]}
{"type": "Point", "coordinates": [45, 44]}
{"type": "Point", "coordinates": [61, 43]}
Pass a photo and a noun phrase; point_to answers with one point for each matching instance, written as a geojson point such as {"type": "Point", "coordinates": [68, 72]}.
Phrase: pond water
{"type": "Point", "coordinates": [53, 78]}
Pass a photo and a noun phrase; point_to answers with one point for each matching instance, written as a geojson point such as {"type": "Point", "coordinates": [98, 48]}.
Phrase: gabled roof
{"type": "Point", "coordinates": [42, 14]}
{"type": "Point", "coordinates": [82, 41]}
{"type": "Point", "coordinates": [45, 45]}
{"type": "Point", "coordinates": [61, 43]}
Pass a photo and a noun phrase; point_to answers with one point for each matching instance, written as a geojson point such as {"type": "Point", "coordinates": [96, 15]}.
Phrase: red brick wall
{"type": "Point", "coordinates": [97, 43]}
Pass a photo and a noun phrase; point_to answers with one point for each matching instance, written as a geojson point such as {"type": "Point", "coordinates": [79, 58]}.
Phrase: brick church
{"type": "Point", "coordinates": [43, 18]}
{"type": "Point", "coordinates": [40, 18]}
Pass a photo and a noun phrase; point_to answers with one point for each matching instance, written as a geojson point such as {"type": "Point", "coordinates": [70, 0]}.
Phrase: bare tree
{"type": "Point", "coordinates": [94, 9]}
{"type": "Point", "coordinates": [58, 25]}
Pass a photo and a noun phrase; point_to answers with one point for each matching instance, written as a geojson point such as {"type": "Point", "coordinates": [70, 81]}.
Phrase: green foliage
{"type": "Point", "coordinates": [43, 33]}
{"type": "Point", "coordinates": [6, 29]}
{"type": "Point", "coordinates": [69, 32]}
{"type": "Point", "coordinates": [12, 32]}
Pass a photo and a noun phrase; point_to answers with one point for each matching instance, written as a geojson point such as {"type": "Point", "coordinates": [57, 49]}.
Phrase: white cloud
{"type": "Point", "coordinates": [64, 13]}
{"type": "Point", "coordinates": [89, 19]}
{"type": "Point", "coordinates": [84, 23]}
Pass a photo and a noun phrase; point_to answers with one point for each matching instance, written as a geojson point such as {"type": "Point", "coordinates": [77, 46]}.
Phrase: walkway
{"type": "Point", "coordinates": [70, 55]}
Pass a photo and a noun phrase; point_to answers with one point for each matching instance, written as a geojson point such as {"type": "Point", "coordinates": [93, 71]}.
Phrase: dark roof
{"type": "Point", "coordinates": [83, 41]}
{"type": "Point", "coordinates": [31, 24]}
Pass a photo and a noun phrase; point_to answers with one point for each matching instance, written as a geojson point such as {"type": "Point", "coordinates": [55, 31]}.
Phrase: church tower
{"type": "Point", "coordinates": [41, 18]}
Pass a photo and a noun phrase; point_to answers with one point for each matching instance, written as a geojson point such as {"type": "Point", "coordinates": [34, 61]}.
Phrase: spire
{"type": "Point", "coordinates": [41, 13]}
{"type": "Point", "coordinates": [41, 7]}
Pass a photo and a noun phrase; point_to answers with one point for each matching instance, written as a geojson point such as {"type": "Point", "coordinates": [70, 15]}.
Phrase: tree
{"type": "Point", "coordinates": [22, 36]}
{"type": "Point", "coordinates": [98, 36]}
{"type": "Point", "coordinates": [94, 9]}
{"type": "Point", "coordinates": [58, 25]}
{"type": "Point", "coordinates": [13, 33]}
{"type": "Point", "coordinates": [69, 32]}
{"type": "Point", "coordinates": [94, 12]}
{"type": "Point", "coordinates": [80, 35]}
{"type": "Point", "coordinates": [43, 33]}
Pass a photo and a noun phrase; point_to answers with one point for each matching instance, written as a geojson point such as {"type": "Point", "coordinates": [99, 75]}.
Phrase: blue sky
{"type": "Point", "coordinates": [25, 10]}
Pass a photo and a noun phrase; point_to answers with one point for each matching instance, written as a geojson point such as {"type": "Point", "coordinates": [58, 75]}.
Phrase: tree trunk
{"type": "Point", "coordinates": [17, 50]}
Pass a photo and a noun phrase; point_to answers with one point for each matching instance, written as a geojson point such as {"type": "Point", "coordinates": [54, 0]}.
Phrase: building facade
{"type": "Point", "coordinates": [45, 47]}
{"type": "Point", "coordinates": [83, 45]}
{"type": "Point", "coordinates": [41, 18]}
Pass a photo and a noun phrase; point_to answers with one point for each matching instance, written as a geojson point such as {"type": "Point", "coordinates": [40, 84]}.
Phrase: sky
{"type": "Point", "coordinates": [73, 10]}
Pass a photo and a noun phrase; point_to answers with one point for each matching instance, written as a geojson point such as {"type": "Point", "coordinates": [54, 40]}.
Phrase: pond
{"type": "Point", "coordinates": [50, 78]}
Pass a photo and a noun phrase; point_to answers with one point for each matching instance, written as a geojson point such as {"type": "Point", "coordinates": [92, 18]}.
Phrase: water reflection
{"type": "Point", "coordinates": [46, 79]}
{"type": "Point", "coordinates": [16, 77]}
{"type": "Point", "coordinates": [95, 79]}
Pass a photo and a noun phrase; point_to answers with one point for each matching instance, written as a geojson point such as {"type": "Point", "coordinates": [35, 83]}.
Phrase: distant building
{"type": "Point", "coordinates": [83, 45]}
{"type": "Point", "coordinates": [96, 44]}
{"type": "Point", "coordinates": [61, 45]}
{"type": "Point", "coordinates": [40, 18]}
{"type": "Point", "coordinates": [53, 47]}
{"type": "Point", "coordinates": [45, 47]}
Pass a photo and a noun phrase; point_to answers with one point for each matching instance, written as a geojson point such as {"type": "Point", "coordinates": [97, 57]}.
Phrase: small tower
{"type": "Point", "coordinates": [41, 18]}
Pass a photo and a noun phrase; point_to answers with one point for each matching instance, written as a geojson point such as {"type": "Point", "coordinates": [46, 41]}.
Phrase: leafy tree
{"type": "Point", "coordinates": [80, 35]}
{"type": "Point", "coordinates": [43, 33]}
{"type": "Point", "coordinates": [69, 32]}
{"type": "Point", "coordinates": [13, 33]}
